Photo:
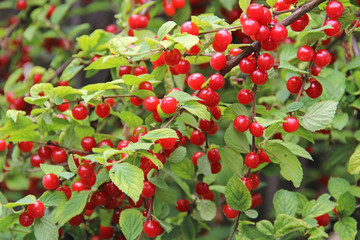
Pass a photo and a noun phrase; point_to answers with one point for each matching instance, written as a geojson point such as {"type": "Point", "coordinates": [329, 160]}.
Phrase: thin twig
{"type": "Point", "coordinates": [60, 69]}
{"type": "Point", "coordinates": [284, 11]}
{"type": "Point", "coordinates": [236, 226]}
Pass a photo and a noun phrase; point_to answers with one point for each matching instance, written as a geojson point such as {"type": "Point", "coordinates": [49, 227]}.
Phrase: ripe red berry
{"type": "Point", "coordinates": [255, 11]}
{"type": "Point", "coordinates": [59, 155]}
{"type": "Point", "coordinates": [323, 220]}
{"type": "Point", "coordinates": [36, 160]}
{"type": "Point", "coordinates": [102, 110]}
{"type": "Point", "coordinates": [179, 3]}
{"type": "Point", "coordinates": [21, 5]}
{"type": "Point", "coordinates": [229, 212]}
{"type": "Point", "coordinates": [44, 152]}
{"type": "Point", "coordinates": [79, 112]}
{"type": "Point", "coordinates": [63, 107]}
{"type": "Point", "coordinates": [190, 28]}
{"type": "Point", "coordinates": [265, 61]}
{"type": "Point", "coordinates": [196, 156]}
{"type": "Point", "coordinates": [88, 143]}
{"type": "Point", "coordinates": [172, 57]}
{"type": "Point", "coordinates": [124, 70]}
{"type": "Point", "coordinates": [278, 33]}
{"type": "Point", "coordinates": [213, 155]}
{"type": "Point", "coordinates": [136, 101]}
{"type": "Point", "coordinates": [252, 160]}
{"type": "Point", "coordinates": [183, 67]}
{"type": "Point", "coordinates": [256, 200]}
{"type": "Point", "coordinates": [315, 89]}
{"type": "Point", "coordinates": [197, 138]}
{"type": "Point", "coordinates": [167, 143]}
{"type": "Point", "coordinates": [112, 28]}
{"type": "Point", "coordinates": [259, 77]}
{"type": "Point", "coordinates": [222, 38]}
{"type": "Point", "coordinates": [2, 145]}
{"type": "Point", "coordinates": [245, 96]}
{"type": "Point", "coordinates": [334, 9]}
{"type": "Point", "coordinates": [152, 229]}
{"type": "Point", "coordinates": [150, 103]}
{"type": "Point", "coordinates": [336, 27]}
{"type": "Point", "coordinates": [280, 5]}
{"type": "Point", "coordinates": [85, 170]}
{"type": "Point", "coordinates": [322, 58]}
{"type": "Point", "coordinates": [216, 81]}
{"type": "Point", "coordinates": [256, 129]}
{"type": "Point", "coordinates": [305, 53]}
{"type": "Point", "coordinates": [25, 146]}
{"type": "Point", "coordinates": [66, 190]}
{"type": "Point", "coordinates": [266, 19]}
{"type": "Point", "coordinates": [78, 186]}
{"type": "Point", "coordinates": [247, 65]}
{"type": "Point", "coordinates": [269, 45]}
{"type": "Point", "coordinates": [106, 142]}
{"type": "Point", "coordinates": [291, 124]}
{"type": "Point", "coordinates": [218, 61]}
{"type": "Point", "coordinates": [235, 51]}
{"type": "Point", "coordinates": [182, 205]}
{"type": "Point", "coordinates": [210, 97]}
{"type": "Point", "coordinates": [241, 123]}
{"type": "Point", "coordinates": [36, 210]}
{"type": "Point", "coordinates": [106, 232]}
{"type": "Point", "coordinates": [98, 199]}
{"type": "Point", "coordinates": [299, 24]}
{"type": "Point", "coordinates": [168, 105]}
{"type": "Point", "coordinates": [247, 182]}
{"type": "Point", "coordinates": [250, 26]}
{"type": "Point", "coordinates": [76, 221]}
{"type": "Point", "coordinates": [195, 81]}
{"type": "Point", "coordinates": [219, 48]}
{"type": "Point", "coordinates": [37, 78]}
{"type": "Point", "coordinates": [169, 9]}
{"type": "Point", "coordinates": [255, 180]}
{"type": "Point", "coordinates": [140, 70]}
{"type": "Point", "coordinates": [215, 167]}
{"type": "Point", "coordinates": [50, 181]}
{"type": "Point", "coordinates": [294, 84]}
{"type": "Point", "coordinates": [263, 156]}
{"type": "Point", "coordinates": [201, 188]}
{"type": "Point", "coordinates": [25, 219]}
{"type": "Point", "coordinates": [194, 50]}
{"type": "Point", "coordinates": [148, 190]}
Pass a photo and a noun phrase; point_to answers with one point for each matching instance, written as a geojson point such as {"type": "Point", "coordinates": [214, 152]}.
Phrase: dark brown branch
{"type": "Point", "coordinates": [236, 226]}
{"type": "Point", "coordinates": [70, 150]}
{"type": "Point", "coordinates": [9, 33]}
{"type": "Point", "coordinates": [60, 69]}
{"type": "Point", "coordinates": [284, 11]}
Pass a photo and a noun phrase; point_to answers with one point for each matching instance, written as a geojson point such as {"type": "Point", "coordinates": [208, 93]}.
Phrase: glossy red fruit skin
{"type": "Point", "coordinates": [98, 199]}
{"type": "Point", "coordinates": [66, 190]}
{"type": "Point", "coordinates": [300, 24]}
{"type": "Point", "coordinates": [179, 3]}
{"type": "Point", "coordinates": [256, 199]}
{"type": "Point", "coordinates": [152, 229]}
{"type": "Point", "coordinates": [102, 110]}
{"type": "Point", "coordinates": [201, 188]}
{"type": "Point", "coordinates": [255, 11]}
{"type": "Point", "coordinates": [197, 138]}
{"type": "Point", "coordinates": [36, 210]}
{"type": "Point", "coordinates": [210, 97]}
{"type": "Point", "coordinates": [235, 51]}
{"type": "Point", "coordinates": [259, 77]}
{"type": "Point", "coordinates": [280, 5]}
{"type": "Point", "coordinates": [334, 9]}
{"type": "Point", "coordinates": [315, 89]}
{"type": "Point", "coordinates": [215, 112]}
{"type": "Point", "coordinates": [278, 33]}
{"type": "Point", "coordinates": [305, 53]}
{"type": "Point", "coordinates": [190, 28]}
{"type": "Point", "coordinates": [78, 186]}
{"type": "Point", "coordinates": [255, 180]}
{"type": "Point", "coordinates": [269, 45]}
{"type": "Point", "coordinates": [229, 212]}
{"type": "Point", "coordinates": [245, 96]}
{"type": "Point", "coordinates": [336, 27]}
{"type": "Point", "coordinates": [247, 65]}
{"type": "Point", "coordinates": [247, 182]}
{"type": "Point", "coordinates": [150, 103]}
{"type": "Point", "coordinates": [2, 145]}
{"type": "Point", "coordinates": [196, 156]}
{"type": "Point", "coordinates": [106, 142]}
{"type": "Point", "coordinates": [44, 152]}
{"type": "Point", "coordinates": [241, 123]}
{"type": "Point", "coordinates": [76, 221]}
{"type": "Point", "coordinates": [323, 220]}
{"type": "Point", "coordinates": [167, 143]}
{"type": "Point", "coordinates": [148, 190]}
{"type": "Point", "coordinates": [25, 219]}
{"type": "Point", "coordinates": [252, 160]}
{"type": "Point", "coordinates": [265, 61]}
{"type": "Point", "coordinates": [291, 124]}
{"type": "Point", "coordinates": [88, 143]}
{"type": "Point", "coordinates": [183, 66]}
{"type": "Point", "coordinates": [266, 19]}
{"type": "Point", "coordinates": [21, 5]}
{"type": "Point", "coordinates": [85, 170]}
{"type": "Point", "coordinates": [168, 105]}
{"type": "Point", "coordinates": [37, 78]}
{"type": "Point", "coordinates": [79, 112]}
{"type": "Point", "coordinates": [36, 160]}
{"type": "Point", "coordinates": [172, 57]}
{"type": "Point", "coordinates": [25, 146]}
{"type": "Point", "coordinates": [213, 155]}
{"type": "Point", "coordinates": [194, 50]}
{"type": "Point", "coordinates": [124, 70]}
{"type": "Point", "coordinates": [256, 129]}
{"type": "Point", "coordinates": [322, 58]}
{"type": "Point", "coordinates": [219, 48]}
{"type": "Point", "coordinates": [263, 156]}
{"type": "Point", "coordinates": [294, 85]}
{"type": "Point", "coordinates": [218, 61]}
{"type": "Point", "coordinates": [250, 26]}
{"type": "Point", "coordinates": [50, 181]}
{"type": "Point", "coordinates": [215, 167]}
{"type": "Point", "coordinates": [216, 81]}
{"type": "Point", "coordinates": [136, 101]}
{"type": "Point", "coordinates": [182, 205]}
{"type": "Point", "coordinates": [59, 156]}
{"type": "Point", "coordinates": [63, 107]}
{"type": "Point", "coordinates": [223, 38]}
{"type": "Point", "coordinates": [195, 81]}
{"type": "Point", "coordinates": [169, 9]}
{"type": "Point", "coordinates": [112, 28]}
{"type": "Point", "coordinates": [106, 232]}
{"type": "Point", "coordinates": [140, 70]}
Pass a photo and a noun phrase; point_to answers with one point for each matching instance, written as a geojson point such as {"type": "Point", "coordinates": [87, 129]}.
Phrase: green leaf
{"type": "Point", "coordinates": [13, 114]}
{"type": "Point", "coordinates": [266, 227]}
{"type": "Point", "coordinates": [207, 209]}
{"type": "Point", "coordinates": [160, 133]}
{"type": "Point", "coordinates": [319, 115]}
{"type": "Point", "coordinates": [295, 149]}
{"type": "Point", "coordinates": [286, 65]}
{"type": "Point", "coordinates": [346, 204]}
{"type": "Point", "coordinates": [294, 106]}
{"type": "Point", "coordinates": [143, 93]}
{"type": "Point", "coordinates": [197, 109]}
{"type": "Point", "coordinates": [74, 206]}
{"type": "Point", "coordinates": [204, 165]}
{"type": "Point", "coordinates": [271, 2]}
{"type": "Point", "coordinates": [267, 122]}
{"type": "Point", "coordinates": [337, 186]}
{"type": "Point", "coordinates": [340, 121]}
{"type": "Point", "coordinates": [182, 184]}
{"type": "Point", "coordinates": [22, 127]}
{"type": "Point", "coordinates": [131, 223]}
{"type": "Point", "coordinates": [244, 4]}
{"type": "Point", "coordinates": [50, 199]}
{"type": "Point", "coordinates": [185, 39]}
{"type": "Point", "coordinates": [228, 4]}
{"type": "Point", "coordinates": [290, 166]}
{"type": "Point", "coordinates": [187, 228]}
{"type": "Point", "coordinates": [285, 224]}
{"type": "Point", "coordinates": [319, 207]}
{"type": "Point", "coordinates": [353, 64]}
{"type": "Point", "coordinates": [106, 62]}
{"type": "Point", "coordinates": [59, 13]}
{"type": "Point", "coordinates": [106, 216]}
{"type": "Point", "coordinates": [118, 44]}
{"type": "Point", "coordinates": [182, 97]}
{"type": "Point", "coordinates": [354, 162]}
{"type": "Point", "coordinates": [285, 202]}
{"type": "Point", "coordinates": [165, 28]}
{"type": "Point", "coordinates": [97, 87]}
{"type": "Point", "coordinates": [71, 70]}
{"type": "Point", "coordinates": [129, 118]}
{"type": "Point", "coordinates": [129, 179]}
{"type": "Point", "coordinates": [48, 168]}
{"type": "Point", "coordinates": [235, 140]}
{"type": "Point", "coordinates": [251, 213]}
{"type": "Point", "coordinates": [184, 169]}
{"type": "Point", "coordinates": [346, 228]}
{"type": "Point", "coordinates": [237, 195]}
{"type": "Point", "coordinates": [178, 155]}
{"type": "Point", "coordinates": [29, 199]}
{"type": "Point", "coordinates": [8, 221]}
{"type": "Point", "coordinates": [232, 160]}
{"type": "Point", "coordinates": [44, 229]}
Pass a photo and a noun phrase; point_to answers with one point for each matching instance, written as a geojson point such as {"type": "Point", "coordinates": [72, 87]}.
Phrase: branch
{"type": "Point", "coordinates": [236, 226]}
{"type": "Point", "coordinates": [60, 69]}
{"type": "Point", "coordinates": [214, 31]}
{"type": "Point", "coordinates": [9, 33]}
{"type": "Point", "coordinates": [234, 61]}
{"type": "Point", "coordinates": [70, 150]}
{"type": "Point", "coordinates": [284, 11]}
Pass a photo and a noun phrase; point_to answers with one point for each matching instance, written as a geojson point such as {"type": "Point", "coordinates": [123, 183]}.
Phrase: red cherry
{"type": "Point", "coordinates": [263, 34]}
{"type": "Point", "coordinates": [201, 188]}
{"type": "Point", "coordinates": [106, 232]}
{"type": "Point", "coordinates": [197, 138]}
{"type": "Point", "coordinates": [323, 220]}
{"type": "Point", "coordinates": [110, 189]}
{"type": "Point", "coordinates": [278, 33]}
{"type": "Point", "coordinates": [63, 107]}
{"type": "Point", "coordinates": [196, 156]}
{"type": "Point", "coordinates": [124, 70]}
{"type": "Point", "coordinates": [255, 11]}
{"type": "Point", "coordinates": [136, 101]}
{"type": "Point", "coordinates": [76, 221]}
{"type": "Point", "coordinates": [336, 27]}
{"type": "Point", "coordinates": [37, 78]}
{"type": "Point", "coordinates": [245, 96]}
{"type": "Point", "coordinates": [280, 5]}
{"type": "Point", "coordinates": [36, 210]}
{"type": "Point", "coordinates": [265, 61]}
{"type": "Point", "coordinates": [194, 50]}
{"type": "Point", "coordinates": [59, 156]}
{"type": "Point", "coordinates": [152, 229]}
{"type": "Point", "coordinates": [25, 219]}
{"type": "Point", "coordinates": [79, 112]}
{"type": "Point", "coordinates": [216, 81]}
{"type": "Point", "coordinates": [256, 129]}
{"type": "Point", "coordinates": [218, 61]}
{"type": "Point", "coordinates": [250, 26]}
{"type": "Point", "coordinates": [2, 145]}
{"type": "Point", "coordinates": [252, 160]}
{"type": "Point", "coordinates": [222, 38]}
{"type": "Point", "coordinates": [219, 48]}
{"type": "Point", "coordinates": [241, 123]}
{"type": "Point", "coordinates": [112, 28]}
{"type": "Point", "coordinates": [294, 84]}
{"type": "Point", "coordinates": [213, 155]}
{"type": "Point", "coordinates": [259, 77]}
{"type": "Point", "coordinates": [50, 181]}
{"type": "Point", "coordinates": [206, 125]}
{"type": "Point", "coordinates": [148, 190]}
{"type": "Point", "coordinates": [146, 86]}
{"type": "Point", "coordinates": [215, 112]}
{"type": "Point", "coordinates": [66, 190]}
{"type": "Point", "coordinates": [210, 97]}
{"type": "Point", "coordinates": [183, 67]}
{"type": "Point", "coordinates": [98, 199]}
{"type": "Point", "coordinates": [247, 182]}
{"type": "Point", "coordinates": [78, 186]}
{"type": "Point", "coordinates": [140, 70]}
{"type": "Point", "coordinates": [315, 71]}
{"type": "Point", "coordinates": [150, 103]}
{"type": "Point", "coordinates": [190, 28]}
{"type": "Point", "coordinates": [255, 180]}
{"type": "Point", "coordinates": [315, 89]}
{"type": "Point", "coordinates": [85, 170]}
{"type": "Point", "coordinates": [168, 105]}
{"type": "Point", "coordinates": [209, 196]}
{"type": "Point", "coordinates": [229, 212]}
{"type": "Point", "coordinates": [269, 45]}
{"type": "Point", "coordinates": [256, 200]}
{"type": "Point", "coordinates": [44, 152]}
{"type": "Point", "coordinates": [21, 5]}
{"type": "Point", "coordinates": [299, 24]}
{"type": "Point", "coordinates": [334, 9]}
{"type": "Point", "coordinates": [195, 81]}
{"type": "Point", "coordinates": [88, 143]}
{"type": "Point", "coordinates": [291, 124]}
{"type": "Point", "coordinates": [266, 19]}
{"type": "Point", "coordinates": [106, 142]}
{"type": "Point", "coordinates": [322, 58]}
{"type": "Point", "coordinates": [247, 66]}
{"type": "Point", "coordinates": [172, 57]}
{"type": "Point", "coordinates": [235, 51]}
{"type": "Point", "coordinates": [263, 156]}
{"type": "Point", "coordinates": [169, 9]}
{"type": "Point", "coordinates": [167, 143]}
{"type": "Point", "coordinates": [102, 110]}
{"type": "Point", "coordinates": [215, 167]}
{"type": "Point", "coordinates": [25, 146]}
{"type": "Point", "coordinates": [36, 160]}
{"type": "Point", "coordinates": [305, 53]}
{"type": "Point", "coordinates": [182, 205]}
